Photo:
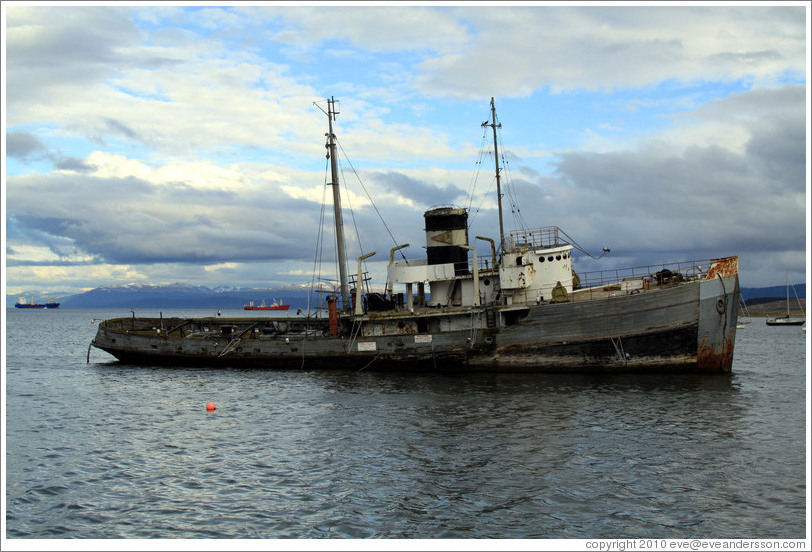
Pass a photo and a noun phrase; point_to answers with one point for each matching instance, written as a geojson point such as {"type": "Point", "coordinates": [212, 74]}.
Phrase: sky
{"type": "Point", "coordinates": [186, 143]}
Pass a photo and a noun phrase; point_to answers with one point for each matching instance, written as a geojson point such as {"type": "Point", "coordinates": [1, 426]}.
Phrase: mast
{"type": "Point", "coordinates": [494, 126]}
{"type": "Point", "coordinates": [339, 219]}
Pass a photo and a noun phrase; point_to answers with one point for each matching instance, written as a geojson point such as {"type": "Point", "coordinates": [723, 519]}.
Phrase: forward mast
{"type": "Point", "coordinates": [339, 219]}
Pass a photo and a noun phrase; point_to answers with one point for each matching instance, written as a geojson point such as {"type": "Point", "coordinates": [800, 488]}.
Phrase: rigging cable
{"type": "Point", "coordinates": [510, 189]}
{"type": "Point", "coordinates": [318, 257]}
{"type": "Point", "coordinates": [359, 286]}
{"type": "Point", "coordinates": [484, 151]}
{"type": "Point", "coordinates": [369, 197]}
{"type": "Point", "coordinates": [580, 248]}
{"type": "Point", "coordinates": [481, 202]}
{"type": "Point", "coordinates": [469, 198]}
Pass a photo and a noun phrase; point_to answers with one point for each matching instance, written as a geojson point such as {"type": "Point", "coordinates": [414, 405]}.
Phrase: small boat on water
{"type": "Point", "coordinates": [23, 303]}
{"type": "Point", "coordinates": [788, 320]}
{"type": "Point", "coordinates": [743, 322]}
{"type": "Point", "coordinates": [785, 321]}
{"type": "Point", "coordinates": [262, 306]}
{"type": "Point", "coordinates": [518, 306]}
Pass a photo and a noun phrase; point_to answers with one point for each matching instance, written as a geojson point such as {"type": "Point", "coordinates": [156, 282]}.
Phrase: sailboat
{"type": "Point", "coordinates": [742, 322]}
{"type": "Point", "coordinates": [518, 307]}
{"type": "Point", "coordinates": [787, 320]}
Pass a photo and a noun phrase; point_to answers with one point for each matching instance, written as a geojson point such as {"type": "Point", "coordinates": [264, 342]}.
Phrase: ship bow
{"type": "Point", "coordinates": [718, 312]}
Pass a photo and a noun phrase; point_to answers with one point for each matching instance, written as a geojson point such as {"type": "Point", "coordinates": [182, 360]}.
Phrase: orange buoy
{"type": "Point", "coordinates": [210, 406]}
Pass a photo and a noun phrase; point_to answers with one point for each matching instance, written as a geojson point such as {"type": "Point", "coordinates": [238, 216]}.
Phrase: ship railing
{"type": "Point", "coordinates": [643, 277]}
{"type": "Point", "coordinates": [484, 264]}
{"type": "Point", "coordinates": [547, 236]}
{"type": "Point", "coordinates": [213, 327]}
{"type": "Point", "coordinates": [682, 271]}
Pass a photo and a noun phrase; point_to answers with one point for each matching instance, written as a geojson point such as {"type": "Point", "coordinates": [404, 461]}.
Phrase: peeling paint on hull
{"type": "Point", "coordinates": [687, 328]}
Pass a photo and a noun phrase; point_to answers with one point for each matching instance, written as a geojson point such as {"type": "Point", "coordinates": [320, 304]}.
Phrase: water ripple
{"type": "Point", "coordinates": [110, 451]}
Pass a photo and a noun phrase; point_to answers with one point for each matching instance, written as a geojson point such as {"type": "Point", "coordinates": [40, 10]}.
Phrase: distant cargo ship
{"type": "Point", "coordinates": [24, 304]}
{"type": "Point", "coordinates": [274, 306]}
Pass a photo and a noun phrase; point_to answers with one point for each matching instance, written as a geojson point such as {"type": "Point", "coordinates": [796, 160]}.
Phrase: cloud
{"type": "Point", "coordinates": [27, 147]}
{"type": "Point", "coordinates": [520, 50]}
{"type": "Point", "coordinates": [128, 219]}
{"type": "Point", "coordinates": [171, 139]}
{"type": "Point", "coordinates": [53, 50]}
{"type": "Point", "coordinates": [369, 29]}
{"type": "Point", "coordinates": [114, 84]}
{"type": "Point", "coordinates": [703, 200]}
{"type": "Point", "coordinates": [417, 191]}
{"type": "Point", "coordinates": [23, 145]}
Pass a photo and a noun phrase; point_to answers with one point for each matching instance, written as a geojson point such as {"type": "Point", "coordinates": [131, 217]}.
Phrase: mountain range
{"type": "Point", "coordinates": [157, 296]}
{"type": "Point", "coordinates": [169, 296]}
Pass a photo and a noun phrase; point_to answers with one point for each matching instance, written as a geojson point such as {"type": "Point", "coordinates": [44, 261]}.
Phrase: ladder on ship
{"type": "Point", "coordinates": [490, 317]}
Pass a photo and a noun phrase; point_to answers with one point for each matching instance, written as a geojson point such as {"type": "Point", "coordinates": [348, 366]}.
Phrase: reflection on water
{"type": "Point", "coordinates": [111, 451]}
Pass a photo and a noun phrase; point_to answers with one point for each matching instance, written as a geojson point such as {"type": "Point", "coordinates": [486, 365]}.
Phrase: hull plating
{"type": "Point", "coordinates": [690, 327]}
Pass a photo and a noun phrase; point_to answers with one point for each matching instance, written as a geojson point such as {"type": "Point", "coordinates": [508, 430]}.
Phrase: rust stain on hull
{"type": "Point", "coordinates": [712, 360]}
{"type": "Point", "coordinates": [672, 329]}
{"type": "Point", "coordinates": [725, 267]}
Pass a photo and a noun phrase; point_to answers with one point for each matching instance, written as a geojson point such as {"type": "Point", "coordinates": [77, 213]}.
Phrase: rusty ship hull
{"type": "Point", "coordinates": [688, 327]}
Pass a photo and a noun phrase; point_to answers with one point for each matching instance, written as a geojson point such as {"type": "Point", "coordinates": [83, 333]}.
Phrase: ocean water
{"type": "Point", "coordinates": [103, 450]}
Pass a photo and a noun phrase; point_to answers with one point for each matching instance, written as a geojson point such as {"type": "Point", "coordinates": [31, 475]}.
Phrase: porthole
{"type": "Point", "coordinates": [558, 257]}
{"type": "Point", "coordinates": [541, 259]}
{"type": "Point", "coordinates": [550, 258]}
{"type": "Point", "coordinates": [487, 281]}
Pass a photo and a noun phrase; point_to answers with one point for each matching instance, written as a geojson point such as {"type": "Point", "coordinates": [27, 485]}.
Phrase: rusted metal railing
{"type": "Point", "coordinates": [546, 236]}
{"type": "Point", "coordinates": [685, 270]}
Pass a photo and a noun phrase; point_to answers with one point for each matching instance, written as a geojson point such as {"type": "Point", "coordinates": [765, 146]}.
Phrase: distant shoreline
{"type": "Point", "coordinates": [772, 309]}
